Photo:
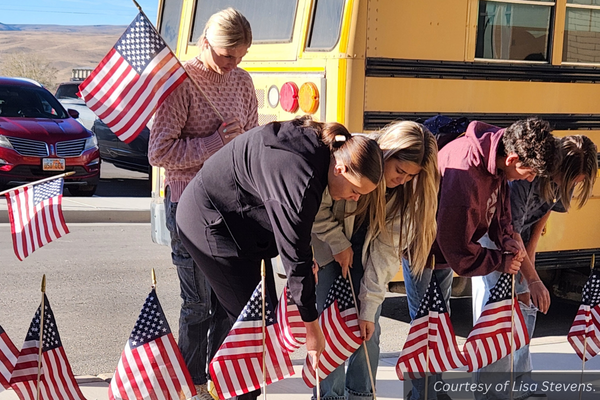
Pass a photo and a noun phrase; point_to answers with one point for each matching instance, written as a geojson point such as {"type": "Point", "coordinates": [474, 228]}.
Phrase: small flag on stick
{"type": "Point", "coordinates": [35, 214]}
{"type": "Point", "coordinates": [339, 322]}
{"type": "Point", "coordinates": [431, 344]}
{"type": "Point", "coordinates": [56, 378]}
{"type": "Point", "coordinates": [151, 366]}
{"type": "Point", "coordinates": [8, 359]}
{"type": "Point", "coordinates": [237, 367]}
{"type": "Point", "coordinates": [293, 331]}
{"type": "Point", "coordinates": [490, 339]}
{"type": "Point", "coordinates": [585, 331]}
{"type": "Point", "coordinates": [132, 80]}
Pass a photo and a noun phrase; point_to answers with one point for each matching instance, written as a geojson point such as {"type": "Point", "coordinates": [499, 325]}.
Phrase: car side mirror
{"type": "Point", "coordinates": [73, 113]}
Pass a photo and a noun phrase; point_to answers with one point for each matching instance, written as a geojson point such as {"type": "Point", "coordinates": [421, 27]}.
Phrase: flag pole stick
{"type": "Point", "coordinates": [592, 264]}
{"type": "Point", "coordinates": [264, 370]}
{"type": "Point", "coordinates": [318, 381]}
{"type": "Point", "coordinates": [364, 346]}
{"type": "Point", "coordinates": [512, 336]}
{"type": "Point", "coordinates": [40, 181]}
{"type": "Point", "coordinates": [153, 279]}
{"type": "Point", "coordinates": [41, 342]}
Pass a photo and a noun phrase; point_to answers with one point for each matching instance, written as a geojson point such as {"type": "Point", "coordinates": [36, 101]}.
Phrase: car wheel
{"type": "Point", "coordinates": [87, 190]}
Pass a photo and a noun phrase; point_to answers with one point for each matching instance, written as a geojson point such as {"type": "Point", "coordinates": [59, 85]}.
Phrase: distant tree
{"type": "Point", "coordinates": [28, 65]}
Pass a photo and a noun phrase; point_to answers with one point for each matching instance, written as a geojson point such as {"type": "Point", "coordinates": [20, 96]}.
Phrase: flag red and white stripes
{"type": "Point", "coordinates": [585, 330]}
{"type": "Point", "coordinates": [36, 217]}
{"type": "Point", "coordinates": [151, 366]}
{"type": "Point", "coordinates": [430, 332]}
{"type": "Point", "coordinates": [132, 80]}
{"type": "Point", "coordinates": [490, 338]}
{"type": "Point", "coordinates": [237, 366]}
{"type": "Point", "coordinates": [293, 331]}
{"type": "Point", "coordinates": [56, 380]}
{"type": "Point", "coordinates": [8, 359]}
{"type": "Point", "coordinates": [339, 322]}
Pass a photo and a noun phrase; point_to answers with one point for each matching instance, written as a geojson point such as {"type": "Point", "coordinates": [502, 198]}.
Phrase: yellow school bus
{"type": "Point", "coordinates": [366, 63]}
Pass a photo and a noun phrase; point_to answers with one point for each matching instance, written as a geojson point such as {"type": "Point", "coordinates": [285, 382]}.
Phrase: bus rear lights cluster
{"type": "Point", "coordinates": [288, 97]}
{"type": "Point", "coordinates": [308, 97]}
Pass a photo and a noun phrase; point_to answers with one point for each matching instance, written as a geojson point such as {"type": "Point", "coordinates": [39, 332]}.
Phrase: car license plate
{"type": "Point", "coordinates": [53, 164]}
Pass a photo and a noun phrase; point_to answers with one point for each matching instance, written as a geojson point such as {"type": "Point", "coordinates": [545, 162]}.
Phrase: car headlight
{"type": "Point", "coordinates": [4, 142]}
{"type": "Point", "coordinates": [91, 143]}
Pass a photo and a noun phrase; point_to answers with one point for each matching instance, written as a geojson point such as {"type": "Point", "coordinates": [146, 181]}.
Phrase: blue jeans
{"type": "Point", "coordinates": [416, 287]}
{"type": "Point", "coordinates": [500, 370]}
{"type": "Point", "coordinates": [355, 383]}
{"type": "Point", "coordinates": [203, 323]}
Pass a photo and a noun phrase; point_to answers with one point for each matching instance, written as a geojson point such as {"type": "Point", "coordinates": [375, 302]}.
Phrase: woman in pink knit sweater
{"type": "Point", "coordinates": [189, 127]}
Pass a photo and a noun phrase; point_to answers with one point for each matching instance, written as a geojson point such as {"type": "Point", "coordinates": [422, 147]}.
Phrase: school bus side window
{"type": "Point", "coordinates": [326, 24]}
{"type": "Point", "coordinates": [582, 32]}
{"type": "Point", "coordinates": [169, 22]}
{"type": "Point", "coordinates": [272, 21]}
{"type": "Point", "coordinates": [514, 31]}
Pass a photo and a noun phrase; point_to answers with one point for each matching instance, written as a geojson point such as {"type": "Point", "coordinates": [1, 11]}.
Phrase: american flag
{"type": "Point", "coordinates": [151, 366]}
{"type": "Point", "coordinates": [339, 322]}
{"type": "Point", "coordinates": [490, 339]}
{"type": "Point", "coordinates": [132, 80]}
{"type": "Point", "coordinates": [430, 332]}
{"type": "Point", "coordinates": [8, 359]}
{"type": "Point", "coordinates": [585, 331]}
{"type": "Point", "coordinates": [36, 217]}
{"type": "Point", "coordinates": [237, 367]}
{"type": "Point", "coordinates": [56, 380]}
{"type": "Point", "coordinates": [293, 332]}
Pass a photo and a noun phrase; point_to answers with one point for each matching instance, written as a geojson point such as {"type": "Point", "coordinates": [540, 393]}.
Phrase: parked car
{"type": "Point", "coordinates": [131, 156]}
{"type": "Point", "coordinates": [39, 138]}
{"type": "Point", "coordinates": [66, 93]}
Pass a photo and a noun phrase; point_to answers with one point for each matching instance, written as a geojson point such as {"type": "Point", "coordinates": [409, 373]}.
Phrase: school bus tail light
{"type": "Point", "coordinates": [308, 97]}
{"type": "Point", "coordinates": [288, 97]}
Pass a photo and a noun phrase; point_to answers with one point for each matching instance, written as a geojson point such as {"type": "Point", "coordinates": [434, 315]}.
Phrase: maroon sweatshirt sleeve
{"type": "Point", "coordinates": [461, 225]}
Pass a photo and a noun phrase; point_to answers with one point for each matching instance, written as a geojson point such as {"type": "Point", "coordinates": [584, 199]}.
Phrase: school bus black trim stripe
{"type": "Point", "coordinates": [377, 119]}
{"type": "Point", "coordinates": [566, 259]}
{"type": "Point", "coordinates": [400, 68]}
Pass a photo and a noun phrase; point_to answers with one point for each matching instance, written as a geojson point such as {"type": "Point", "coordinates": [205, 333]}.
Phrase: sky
{"type": "Point", "coordinates": [74, 12]}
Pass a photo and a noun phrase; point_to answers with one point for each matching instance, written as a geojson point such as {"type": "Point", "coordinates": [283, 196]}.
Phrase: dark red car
{"type": "Point", "coordinates": [39, 138]}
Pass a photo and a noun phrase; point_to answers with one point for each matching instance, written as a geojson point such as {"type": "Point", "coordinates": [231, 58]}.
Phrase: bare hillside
{"type": "Point", "coordinates": [65, 47]}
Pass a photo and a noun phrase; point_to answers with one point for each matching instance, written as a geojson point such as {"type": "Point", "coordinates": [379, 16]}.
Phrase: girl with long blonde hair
{"type": "Point", "coordinates": [395, 221]}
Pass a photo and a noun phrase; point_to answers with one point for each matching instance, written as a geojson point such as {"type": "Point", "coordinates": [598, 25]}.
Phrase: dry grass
{"type": "Point", "coordinates": [83, 47]}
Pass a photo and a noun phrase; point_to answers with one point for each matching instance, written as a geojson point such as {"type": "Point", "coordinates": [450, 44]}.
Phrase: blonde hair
{"type": "Point", "coordinates": [578, 156]}
{"type": "Point", "coordinates": [227, 29]}
{"type": "Point", "coordinates": [415, 201]}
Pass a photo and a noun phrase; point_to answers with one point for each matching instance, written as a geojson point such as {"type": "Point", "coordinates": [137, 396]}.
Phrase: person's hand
{"type": "Point", "coordinates": [315, 270]}
{"type": "Point", "coordinates": [514, 247]}
{"type": "Point", "coordinates": [229, 129]}
{"type": "Point", "coordinates": [345, 260]}
{"type": "Point", "coordinates": [315, 342]}
{"type": "Point", "coordinates": [539, 295]}
{"type": "Point", "coordinates": [366, 329]}
{"type": "Point", "coordinates": [510, 263]}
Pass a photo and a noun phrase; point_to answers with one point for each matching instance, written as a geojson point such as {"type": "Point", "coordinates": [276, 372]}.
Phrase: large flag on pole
{"type": "Point", "coordinates": [293, 331]}
{"type": "Point", "coordinates": [339, 322]}
{"type": "Point", "coordinates": [56, 379]}
{"type": "Point", "coordinates": [585, 331]}
{"type": "Point", "coordinates": [8, 359]}
{"type": "Point", "coordinates": [431, 344]}
{"type": "Point", "coordinates": [151, 366]}
{"type": "Point", "coordinates": [132, 80]}
{"type": "Point", "coordinates": [490, 339]}
{"type": "Point", "coordinates": [237, 367]}
{"type": "Point", "coordinates": [35, 214]}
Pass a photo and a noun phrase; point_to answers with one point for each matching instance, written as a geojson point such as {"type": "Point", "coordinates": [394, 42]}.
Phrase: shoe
{"type": "Point", "coordinates": [202, 392]}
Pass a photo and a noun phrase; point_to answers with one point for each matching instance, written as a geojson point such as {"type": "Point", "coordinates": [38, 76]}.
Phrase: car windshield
{"type": "Point", "coordinates": [67, 91]}
{"type": "Point", "coordinates": [29, 102]}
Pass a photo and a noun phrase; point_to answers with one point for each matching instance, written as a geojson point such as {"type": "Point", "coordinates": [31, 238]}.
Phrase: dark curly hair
{"type": "Point", "coordinates": [531, 139]}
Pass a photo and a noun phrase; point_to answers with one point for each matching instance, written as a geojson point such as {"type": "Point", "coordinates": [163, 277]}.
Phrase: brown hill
{"type": "Point", "coordinates": [65, 47]}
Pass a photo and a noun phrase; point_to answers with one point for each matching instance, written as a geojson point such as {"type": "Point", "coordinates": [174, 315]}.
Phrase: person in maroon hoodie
{"type": "Point", "coordinates": [474, 199]}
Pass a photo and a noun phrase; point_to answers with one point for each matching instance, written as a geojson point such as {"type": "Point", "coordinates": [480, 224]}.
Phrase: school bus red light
{"type": "Point", "coordinates": [308, 97]}
{"type": "Point", "coordinates": [288, 97]}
